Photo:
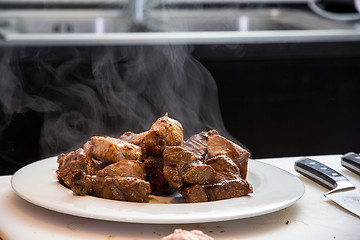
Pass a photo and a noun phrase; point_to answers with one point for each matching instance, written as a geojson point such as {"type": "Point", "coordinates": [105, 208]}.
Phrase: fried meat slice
{"type": "Point", "coordinates": [197, 144]}
{"type": "Point", "coordinates": [81, 183]}
{"type": "Point", "coordinates": [227, 182]}
{"type": "Point", "coordinates": [224, 183]}
{"type": "Point", "coordinates": [100, 164]}
{"type": "Point", "coordinates": [228, 189]}
{"type": "Point", "coordinates": [121, 188]}
{"type": "Point", "coordinates": [182, 167]}
{"type": "Point", "coordinates": [164, 132]}
{"type": "Point", "coordinates": [194, 193]}
{"type": "Point", "coordinates": [124, 168]}
{"type": "Point", "coordinates": [154, 169]}
{"type": "Point", "coordinates": [123, 180]}
{"type": "Point", "coordinates": [218, 145]}
{"type": "Point", "coordinates": [112, 149]}
{"type": "Point", "coordinates": [73, 162]}
{"type": "Point", "coordinates": [134, 138]}
{"type": "Point", "coordinates": [225, 169]}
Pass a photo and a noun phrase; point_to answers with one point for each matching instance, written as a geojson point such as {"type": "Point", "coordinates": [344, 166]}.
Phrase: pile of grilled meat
{"type": "Point", "coordinates": [206, 167]}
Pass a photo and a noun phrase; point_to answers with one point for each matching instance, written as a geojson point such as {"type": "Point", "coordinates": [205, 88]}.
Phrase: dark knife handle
{"type": "Point", "coordinates": [319, 172]}
{"type": "Point", "coordinates": [351, 161]}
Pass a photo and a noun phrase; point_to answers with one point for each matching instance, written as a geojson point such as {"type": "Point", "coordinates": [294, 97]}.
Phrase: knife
{"type": "Point", "coordinates": [343, 192]}
{"type": "Point", "coordinates": [351, 161]}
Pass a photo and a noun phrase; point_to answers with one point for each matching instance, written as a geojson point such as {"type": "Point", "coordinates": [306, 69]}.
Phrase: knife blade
{"type": "Point", "coordinates": [351, 161]}
{"type": "Point", "coordinates": [343, 192]}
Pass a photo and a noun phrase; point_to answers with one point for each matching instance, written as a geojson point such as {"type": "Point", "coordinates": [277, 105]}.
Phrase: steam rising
{"type": "Point", "coordinates": [119, 89]}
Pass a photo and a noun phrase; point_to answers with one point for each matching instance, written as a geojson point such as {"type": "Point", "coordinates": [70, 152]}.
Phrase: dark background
{"type": "Point", "coordinates": [290, 99]}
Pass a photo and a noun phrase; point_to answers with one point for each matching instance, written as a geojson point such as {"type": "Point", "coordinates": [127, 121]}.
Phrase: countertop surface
{"type": "Point", "coordinates": [311, 217]}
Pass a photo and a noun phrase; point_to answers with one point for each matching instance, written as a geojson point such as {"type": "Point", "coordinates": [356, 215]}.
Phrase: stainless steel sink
{"type": "Point", "coordinates": [75, 21]}
{"type": "Point", "coordinates": [64, 21]}
{"type": "Point", "coordinates": [273, 19]}
{"type": "Point", "coordinates": [170, 26]}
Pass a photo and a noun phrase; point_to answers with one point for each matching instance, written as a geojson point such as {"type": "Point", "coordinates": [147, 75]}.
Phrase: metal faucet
{"type": "Point", "coordinates": [137, 11]}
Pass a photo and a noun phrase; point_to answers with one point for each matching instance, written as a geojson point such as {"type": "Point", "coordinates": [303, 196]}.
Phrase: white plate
{"type": "Point", "coordinates": [274, 189]}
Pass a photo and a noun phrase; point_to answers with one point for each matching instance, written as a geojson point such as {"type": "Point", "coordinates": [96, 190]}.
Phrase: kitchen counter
{"type": "Point", "coordinates": [312, 217]}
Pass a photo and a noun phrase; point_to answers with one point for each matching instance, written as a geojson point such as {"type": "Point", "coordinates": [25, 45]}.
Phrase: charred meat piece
{"type": "Point", "coordinates": [134, 138]}
{"type": "Point", "coordinates": [81, 182]}
{"type": "Point", "coordinates": [181, 166]}
{"type": "Point", "coordinates": [225, 182]}
{"type": "Point", "coordinates": [112, 149]}
{"type": "Point", "coordinates": [197, 144]}
{"type": "Point", "coordinates": [174, 132]}
{"type": "Point", "coordinates": [197, 173]}
{"type": "Point", "coordinates": [228, 189]}
{"type": "Point", "coordinates": [76, 160]}
{"type": "Point", "coordinates": [175, 161]}
{"type": "Point", "coordinates": [194, 193]}
{"type": "Point", "coordinates": [78, 154]}
{"type": "Point", "coordinates": [121, 188]}
{"type": "Point", "coordinates": [154, 169]}
{"type": "Point", "coordinates": [124, 168]}
{"type": "Point", "coordinates": [100, 164]}
{"type": "Point", "coordinates": [124, 180]}
{"type": "Point", "coordinates": [164, 132]}
{"type": "Point", "coordinates": [225, 169]}
{"type": "Point", "coordinates": [107, 188]}
{"type": "Point", "coordinates": [218, 145]}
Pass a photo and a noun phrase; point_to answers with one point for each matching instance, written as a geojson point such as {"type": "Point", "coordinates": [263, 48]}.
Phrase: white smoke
{"type": "Point", "coordinates": [107, 91]}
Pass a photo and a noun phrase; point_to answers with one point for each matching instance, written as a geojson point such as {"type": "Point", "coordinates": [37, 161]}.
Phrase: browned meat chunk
{"type": "Point", "coordinates": [112, 149]}
{"type": "Point", "coordinates": [81, 183]}
{"type": "Point", "coordinates": [218, 145]}
{"type": "Point", "coordinates": [197, 144]}
{"type": "Point", "coordinates": [107, 188]}
{"type": "Point", "coordinates": [175, 160]}
{"type": "Point", "coordinates": [194, 194]}
{"type": "Point", "coordinates": [124, 168]}
{"type": "Point", "coordinates": [197, 173]}
{"type": "Point", "coordinates": [174, 133]}
{"type": "Point", "coordinates": [124, 180]}
{"type": "Point", "coordinates": [225, 168]}
{"type": "Point", "coordinates": [71, 163]}
{"type": "Point", "coordinates": [228, 189]}
{"type": "Point", "coordinates": [164, 132]}
{"type": "Point", "coordinates": [181, 166]}
{"type": "Point", "coordinates": [134, 138]}
{"type": "Point", "coordinates": [121, 188]}
{"type": "Point", "coordinates": [77, 155]}
{"type": "Point", "coordinates": [154, 168]}
{"type": "Point", "coordinates": [100, 164]}
{"type": "Point", "coordinates": [225, 182]}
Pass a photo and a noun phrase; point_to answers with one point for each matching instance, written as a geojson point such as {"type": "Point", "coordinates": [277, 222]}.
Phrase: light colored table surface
{"type": "Point", "coordinates": [312, 217]}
